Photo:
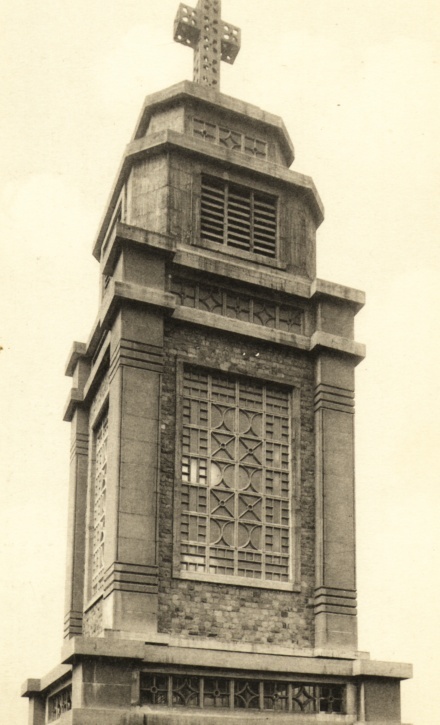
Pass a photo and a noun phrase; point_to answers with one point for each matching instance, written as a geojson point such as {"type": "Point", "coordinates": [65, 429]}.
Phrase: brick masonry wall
{"type": "Point", "coordinates": [224, 611]}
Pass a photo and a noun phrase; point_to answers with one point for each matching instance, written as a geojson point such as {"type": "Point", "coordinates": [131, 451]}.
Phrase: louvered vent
{"type": "Point", "coordinates": [238, 217]}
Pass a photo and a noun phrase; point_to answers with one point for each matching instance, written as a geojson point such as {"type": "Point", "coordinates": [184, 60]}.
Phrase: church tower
{"type": "Point", "coordinates": [211, 543]}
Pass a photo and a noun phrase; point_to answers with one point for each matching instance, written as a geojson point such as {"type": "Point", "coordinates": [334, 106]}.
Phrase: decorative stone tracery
{"type": "Point", "coordinates": [238, 306]}
{"type": "Point", "coordinates": [59, 703]}
{"type": "Point", "coordinates": [172, 690]}
{"type": "Point", "coordinates": [229, 138]}
{"type": "Point", "coordinates": [99, 496]}
{"type": "Point", "coordinates": [235, 478]}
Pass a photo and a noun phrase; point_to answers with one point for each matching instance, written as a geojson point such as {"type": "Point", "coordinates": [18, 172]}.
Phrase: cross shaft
{"type": "Point", "coordinates": [212, 39]}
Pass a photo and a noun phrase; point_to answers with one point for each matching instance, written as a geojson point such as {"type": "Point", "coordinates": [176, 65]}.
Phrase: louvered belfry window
{"type": "Point", "coordinates": [235, 505]}
{"type": "Point", "coordinates": [238, 217]}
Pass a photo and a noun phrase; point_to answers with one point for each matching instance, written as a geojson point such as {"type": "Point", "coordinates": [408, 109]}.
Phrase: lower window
{"type": "Point", "coordinates": [241, 693]}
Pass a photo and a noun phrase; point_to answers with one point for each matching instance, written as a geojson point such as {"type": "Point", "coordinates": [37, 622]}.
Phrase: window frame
{"type": "Point", "coordinates": [236, 677]}
{"type": "Point", "coordinates": [293, 584]}
{"type": "Point", "coordinates": [253, 186]}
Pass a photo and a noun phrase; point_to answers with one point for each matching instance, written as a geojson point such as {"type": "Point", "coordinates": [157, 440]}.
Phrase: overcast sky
{"type": "Point", "coordinates": [357, 84]}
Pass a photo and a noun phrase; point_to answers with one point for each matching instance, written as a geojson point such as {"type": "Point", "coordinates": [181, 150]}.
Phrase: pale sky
{"type": "Point", "coordinates": [357, 84]}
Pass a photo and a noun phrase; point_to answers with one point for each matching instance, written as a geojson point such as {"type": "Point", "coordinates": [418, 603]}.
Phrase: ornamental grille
{"type": "Point", "coordinates": [99, 493]}
{"type": "Point", "coordinates": [238, 306]}
{"type": "Point", "coordinates": [235, 477]}
{"type": "Point", "coordinates": [238, 217]}
{"type": "Point", "coordinates": [59, 703]}
{"type": "Point", "coordinates": [245, 694]}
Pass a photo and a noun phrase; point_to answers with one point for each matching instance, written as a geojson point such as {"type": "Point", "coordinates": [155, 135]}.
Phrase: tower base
{"type": "Point", "coordinates": [116, 681]}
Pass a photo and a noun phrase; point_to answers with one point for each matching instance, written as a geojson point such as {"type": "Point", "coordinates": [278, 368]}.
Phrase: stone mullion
{"type": "Point", "coordinates": [225, 213]}
{"type": "Point", "coordinates": [263, 480]}
{"type": "Point", "coordinates": [170, 690]}
{"type": "Point", "coordinates": [261, 695]}
{"type": "Point", "coordinates": [209, 462]}
{"type": "Point", "coordinates": [251, 222]}
{"type": "Point", "coordinates": [232, 693]}
{"type": "Point", "coordinates": [290, 489]}
{"type": "Point", "coordinates": [224, 299]}
{"type": "Point", "coordinates": [201, 692]}
{"type": "Point", "coordinates": [237, 475]}
{"type": "Point", "coordinates": [289, 697]}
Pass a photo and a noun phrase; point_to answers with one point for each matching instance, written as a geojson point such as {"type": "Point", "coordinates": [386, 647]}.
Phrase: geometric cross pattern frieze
{"type": "Point", "coordinates": [230, 139]}
{"type": "Point", "coordinates": [193, 691]}
{"type": "Point", "coordinates": [99, 496]}
{"type": "Point", "coordinates": [212, 39]}
{"type": "Point", "coordinates": [236, 487]}
{"type": "Point", "coordinates": [238, 217]}
{"type": "Point", "coordinates": [238, 306]}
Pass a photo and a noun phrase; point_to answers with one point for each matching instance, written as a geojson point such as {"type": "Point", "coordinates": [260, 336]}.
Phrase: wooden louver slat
{"type": "Point", "coordinates": [238, 217]}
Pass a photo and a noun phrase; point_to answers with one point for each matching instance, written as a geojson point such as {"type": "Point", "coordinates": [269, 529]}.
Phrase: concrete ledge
{"type": "Point", "coordinates": [171, 716]}
{"type": "Point", "coordinates": [239, 661]}
{"type": "Point", "coordinates": [135, 293]}
{"type": "Point", "coordinates": [246, 329]}
{"type": "Point", "coordinates": [375, 668]}
{"type": "Point", "coordinates": [75, 398]}
{"type": "Point", "coordinates": [31, 686]}
{"type": "Point", "coordinates": [83, 349]}
{"type": "Point", "coordinates": [77, 351]}
{"type": "Point", "coordinates": [36, 686]}
{"type": "Point", "coordinates": [232, 656]}
{"type": "Point", "coordinates": [331, 289]}
{"type": "Point", "coordinates": [326, 340]}
{"type": "Point", "coordinates": [102, 647]}
{"type": "Point", "coordinates": [138, 237]}
{"type": "Point", "coordinates": [250, 272]}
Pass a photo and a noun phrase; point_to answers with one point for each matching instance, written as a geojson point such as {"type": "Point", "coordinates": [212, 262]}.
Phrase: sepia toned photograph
{"type": "Point", "coordinates": [219, 362]}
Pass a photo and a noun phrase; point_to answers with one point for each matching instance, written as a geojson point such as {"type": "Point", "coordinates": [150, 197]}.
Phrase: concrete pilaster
{"type": "Point", "coordinates": [37, 711]}
{"type": "Point", "coordinates": [335, 594]}
{"type": "Point", "coordinates": [76, 524]}
{"type": "Point", "coordinates": [130, 581]}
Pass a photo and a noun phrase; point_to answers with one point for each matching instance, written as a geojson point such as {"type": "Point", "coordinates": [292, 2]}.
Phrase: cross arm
{"type": "Point", "coordinates": [187, 30]}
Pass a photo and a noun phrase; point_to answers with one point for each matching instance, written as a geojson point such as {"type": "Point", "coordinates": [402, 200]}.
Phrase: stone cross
{"type": "Point", "coordinates": [212, 39]}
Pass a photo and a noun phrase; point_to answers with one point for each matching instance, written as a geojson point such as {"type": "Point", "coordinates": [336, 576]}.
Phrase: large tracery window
{"type": "Point", "coordinates": [235, 504]}
{"type": "Point", "coordinates": [238, 217]}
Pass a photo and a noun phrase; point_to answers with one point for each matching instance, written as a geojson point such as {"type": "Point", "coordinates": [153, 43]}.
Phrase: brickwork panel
{"type": "Point", "coordinates": [224, 611]}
